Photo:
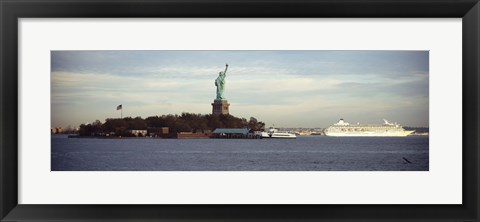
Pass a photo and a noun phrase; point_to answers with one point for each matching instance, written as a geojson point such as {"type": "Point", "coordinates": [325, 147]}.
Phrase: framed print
{"type": "Point", "coordinates": [304, 85]}
{"type": "Point", "coordinates": [209, 110]}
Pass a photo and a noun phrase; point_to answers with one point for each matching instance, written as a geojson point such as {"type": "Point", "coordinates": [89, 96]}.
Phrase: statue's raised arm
{"type": "Point", "coordinates": [226, 67]}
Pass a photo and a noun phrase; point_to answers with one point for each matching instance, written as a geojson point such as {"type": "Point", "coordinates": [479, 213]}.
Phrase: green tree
{"type": "Point", "coordinates": [255, 125]}
{"type": "Point", "coordinates": [137, 124]}
{"type": "Point", "coordinates": [117, 126]}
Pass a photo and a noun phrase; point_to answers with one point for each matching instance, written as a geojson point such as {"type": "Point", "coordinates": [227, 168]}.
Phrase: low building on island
{"type": "Point", "coordinates": [232, 133]}
{"type": "Point", "coordinates": [163, 132]}
{"type": "Point", "coordinates": [138, 133]}
{"type": "Point", "coordinates": [191, 135]}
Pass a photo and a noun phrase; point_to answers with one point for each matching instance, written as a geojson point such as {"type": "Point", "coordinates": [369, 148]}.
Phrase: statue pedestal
{"type": "Point", "coordinates": [220, 106]}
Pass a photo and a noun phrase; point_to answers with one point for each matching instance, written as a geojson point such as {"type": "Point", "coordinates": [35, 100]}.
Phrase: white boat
{"type": "Point", "coordinates": [342, 128]}
{"type": "Point", "coordinates": [275, 134]}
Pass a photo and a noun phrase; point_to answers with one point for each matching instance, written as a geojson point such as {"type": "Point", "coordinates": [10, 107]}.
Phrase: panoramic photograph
{"type": "Point", "coordinates": [239, 110]}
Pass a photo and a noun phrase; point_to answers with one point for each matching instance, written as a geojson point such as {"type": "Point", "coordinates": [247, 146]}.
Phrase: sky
{"type": "Point", "coordinates": [281, 88]}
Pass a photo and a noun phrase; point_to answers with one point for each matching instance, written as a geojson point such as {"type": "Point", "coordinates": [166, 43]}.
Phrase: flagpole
{"type": "Point", "coordinates": [120, 107]}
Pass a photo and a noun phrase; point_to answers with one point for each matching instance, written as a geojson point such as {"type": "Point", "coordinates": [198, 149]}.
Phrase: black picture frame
{"type": "Point", "coordinates": [11, 11]}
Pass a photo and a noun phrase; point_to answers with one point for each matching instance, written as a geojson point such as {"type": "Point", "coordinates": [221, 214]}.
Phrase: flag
{"type": "Point", "coordinates": [119, 107]}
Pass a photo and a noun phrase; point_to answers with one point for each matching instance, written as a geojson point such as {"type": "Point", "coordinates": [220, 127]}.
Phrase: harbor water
{"type": "Point", "coordinates": [306, 153]}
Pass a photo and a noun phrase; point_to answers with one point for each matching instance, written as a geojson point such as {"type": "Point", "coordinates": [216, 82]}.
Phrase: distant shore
{"type": "Point", "coordinates": [191, 137]}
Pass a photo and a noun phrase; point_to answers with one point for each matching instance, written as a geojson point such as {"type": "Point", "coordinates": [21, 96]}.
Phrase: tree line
{"type": "Point", "coordinates": [186, 122]}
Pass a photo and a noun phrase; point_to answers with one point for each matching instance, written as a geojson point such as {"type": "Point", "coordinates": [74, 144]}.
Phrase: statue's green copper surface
{"type": "Point", "coordinates": [220, 83]}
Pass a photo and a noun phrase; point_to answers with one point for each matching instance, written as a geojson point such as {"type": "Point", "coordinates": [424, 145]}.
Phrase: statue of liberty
{"type": "Point", "coordinates": [220, 83]}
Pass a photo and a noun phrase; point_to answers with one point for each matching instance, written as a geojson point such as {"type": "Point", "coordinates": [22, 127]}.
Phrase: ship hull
{"type": "Point", "coordinates": [369, 134]}
{"type": "Point", "coordinates": [342, 129]}
{"type": "Point", "coordinates": [278, 136]}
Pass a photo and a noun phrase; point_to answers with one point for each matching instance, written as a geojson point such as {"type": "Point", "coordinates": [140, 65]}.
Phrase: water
{"type": "Point", "coordinates": [306, 153]}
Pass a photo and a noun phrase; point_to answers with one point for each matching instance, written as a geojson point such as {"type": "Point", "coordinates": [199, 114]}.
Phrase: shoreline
{"type": "Point", "coordinates": [153, 138]}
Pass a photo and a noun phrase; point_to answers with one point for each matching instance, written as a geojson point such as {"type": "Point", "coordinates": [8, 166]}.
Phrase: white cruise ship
{"type": "Point", "coordinates": [342, 128]}
{"type": "Point", "coordinates": [275, 134]}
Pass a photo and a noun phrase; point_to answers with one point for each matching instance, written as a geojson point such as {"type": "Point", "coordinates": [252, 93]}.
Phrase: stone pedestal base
{"type": "Point", "coordinates": [220, 107]}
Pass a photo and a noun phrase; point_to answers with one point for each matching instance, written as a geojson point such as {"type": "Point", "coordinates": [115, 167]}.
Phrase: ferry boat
{"type": "Point", "coordinates": [275, 134]}
{"type": "Point", "coordinates": [342, 128]}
